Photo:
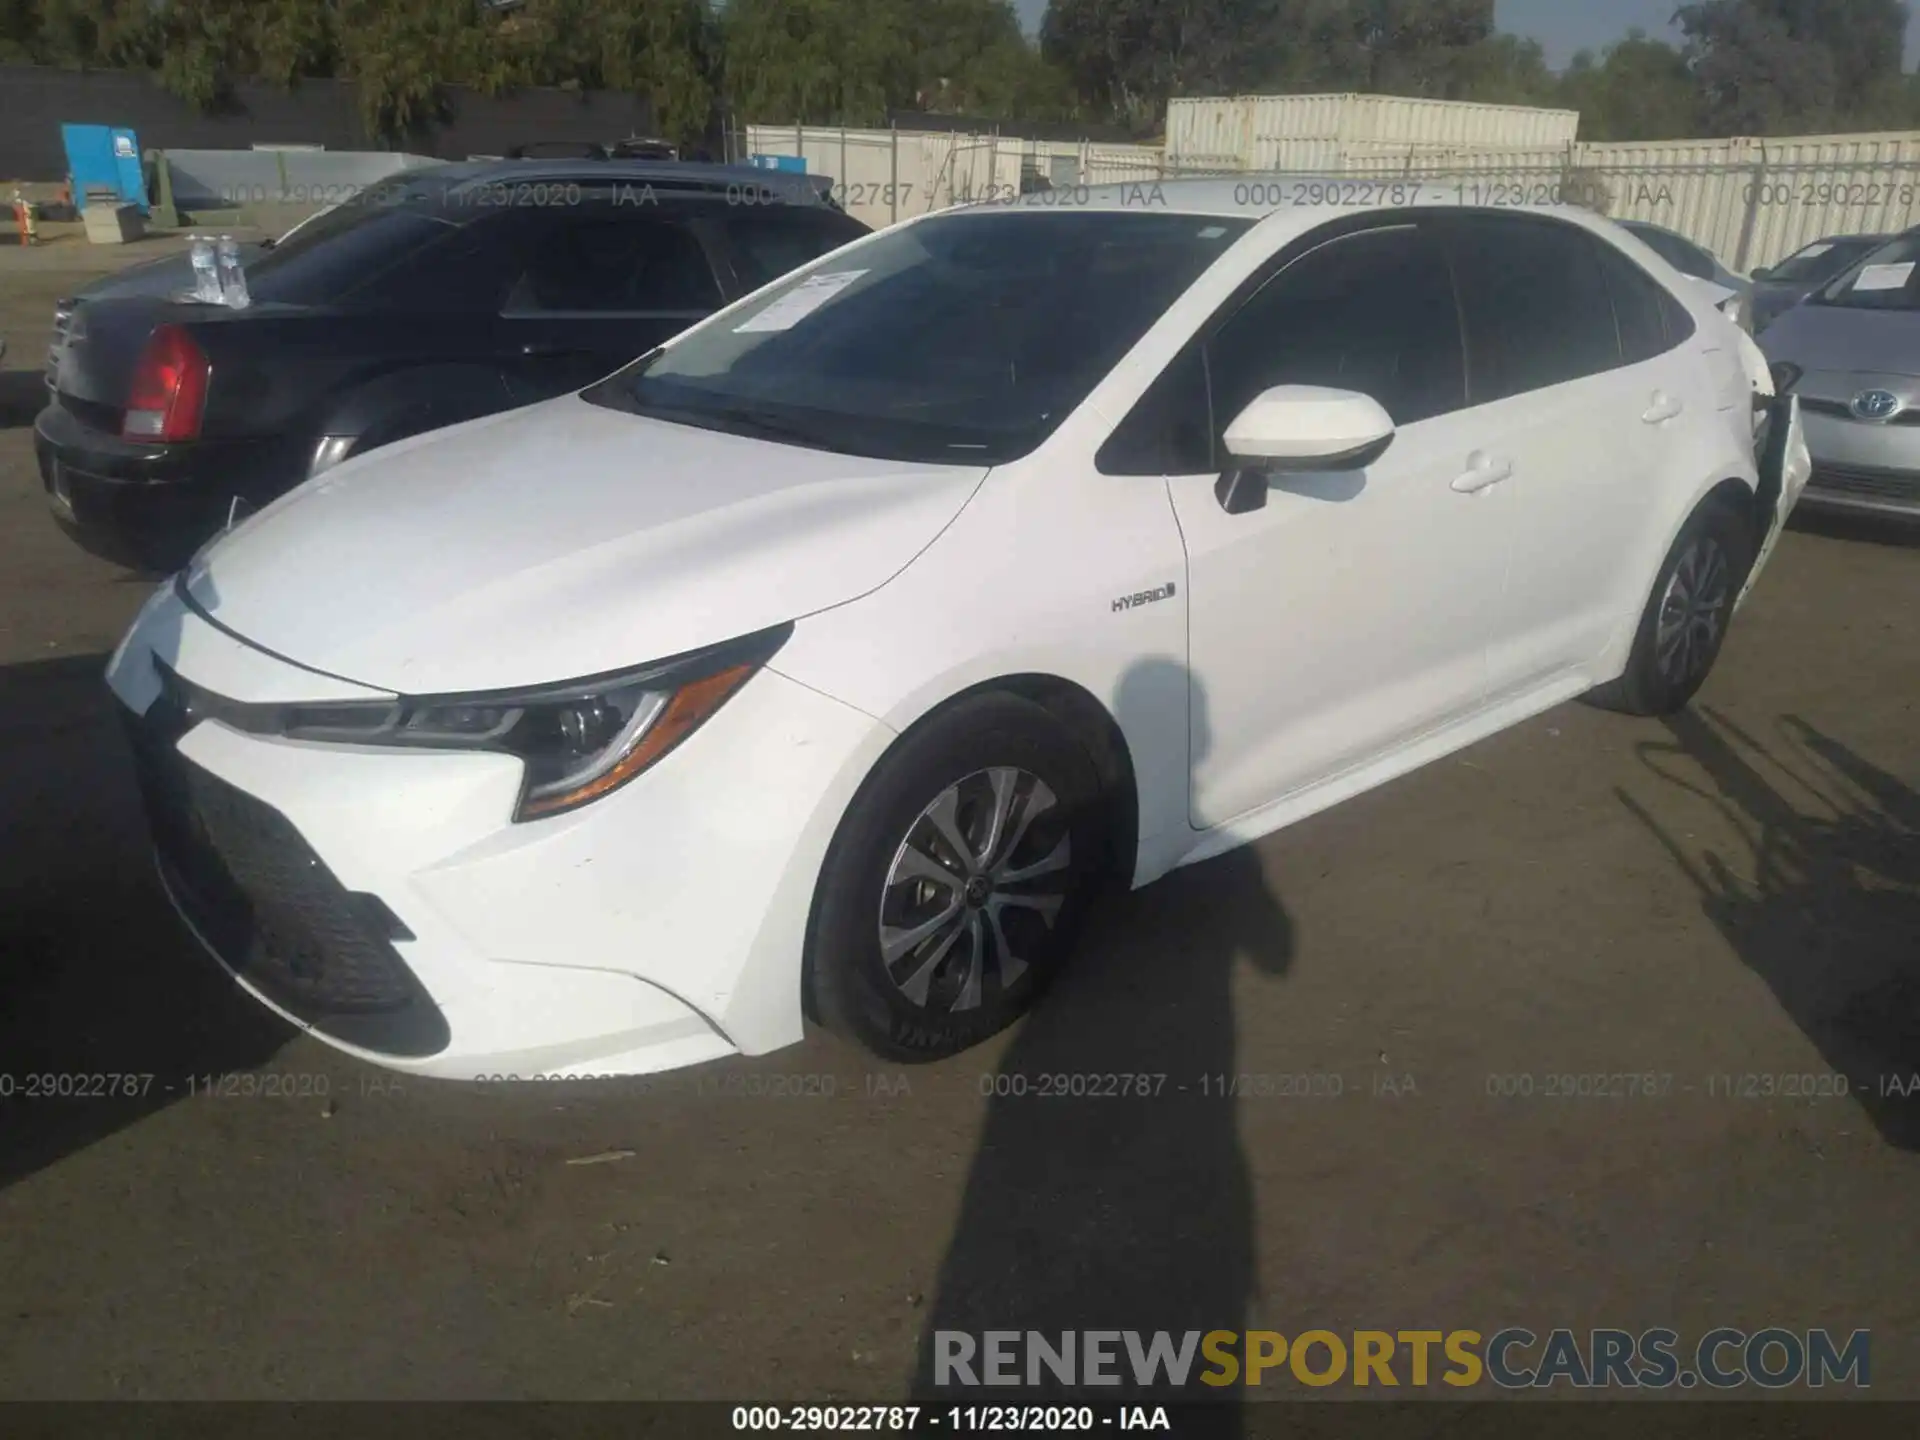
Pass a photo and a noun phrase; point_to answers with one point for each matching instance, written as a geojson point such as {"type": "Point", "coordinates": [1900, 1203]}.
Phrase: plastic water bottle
{"type": "Point", "coordinates": [233, 279]}
{"type": "Point", "coordinates": [206, 275]}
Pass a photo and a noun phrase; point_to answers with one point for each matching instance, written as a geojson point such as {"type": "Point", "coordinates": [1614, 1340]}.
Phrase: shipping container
{"type": "Point", "coordinates": [1313, 132]}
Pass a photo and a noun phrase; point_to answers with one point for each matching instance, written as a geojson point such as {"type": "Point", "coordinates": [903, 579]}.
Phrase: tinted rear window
{"type": "Point", "coordinates": [336, 254]}
{"type": "Point", "coordinates": [767, 243]}
{"type": "Point", "coordinates": [1637, 307]}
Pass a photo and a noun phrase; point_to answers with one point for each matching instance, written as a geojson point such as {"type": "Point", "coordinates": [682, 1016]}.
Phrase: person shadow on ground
{"type": "Point", "coordinates": [1130, 1208]}
{"type": "Point", "coordinates": [1824, 903]}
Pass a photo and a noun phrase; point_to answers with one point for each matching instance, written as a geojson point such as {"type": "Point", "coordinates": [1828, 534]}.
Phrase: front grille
{"type": "Point", "coordinates": [261, 897]}
{"type": "Point", "coordinates": [1868, 484]}
{"type": "Point", "coordinates": [1841, 410]}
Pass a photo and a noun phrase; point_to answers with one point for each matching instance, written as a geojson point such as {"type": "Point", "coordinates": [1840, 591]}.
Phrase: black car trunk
{"type": "Point", "coordinates": [98, 349]}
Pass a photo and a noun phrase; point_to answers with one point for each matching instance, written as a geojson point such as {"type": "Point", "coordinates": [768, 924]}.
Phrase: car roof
{"type": "Point", "coordinates": [1286, 202]}
{"type": "Point", "coordinates": [1658, 229]}
{"type": "Point", "coordinates": [457, 176]}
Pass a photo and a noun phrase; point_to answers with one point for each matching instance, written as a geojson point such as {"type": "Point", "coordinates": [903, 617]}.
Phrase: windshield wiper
{"type": "Point", "coordinates": [736, 417]}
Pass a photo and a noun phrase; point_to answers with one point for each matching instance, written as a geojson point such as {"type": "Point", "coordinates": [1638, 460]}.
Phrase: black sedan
{"type": "Point", "coordinates": [448, 293]}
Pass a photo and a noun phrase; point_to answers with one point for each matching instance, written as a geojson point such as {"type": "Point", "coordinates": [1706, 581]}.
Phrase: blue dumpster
{"type": "Point", "coordinates": [105, 155]}
{"type": "Point", "coordinates": [792, 164]}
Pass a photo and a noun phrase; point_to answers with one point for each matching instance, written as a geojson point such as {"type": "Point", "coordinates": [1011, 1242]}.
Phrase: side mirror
{"type": "Point", "coordinates": [1300, 428]}
{"type": "Point", "coordinates": [1763, 272]}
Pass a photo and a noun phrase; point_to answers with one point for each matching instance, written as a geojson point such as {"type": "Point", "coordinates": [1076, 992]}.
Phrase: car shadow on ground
{"type": "Point", "coordinates": [1823, 902]}
{"type": "Point", "coordinates": [1857, 529]}
{"type": "Point", "coordinates": [98, 980]}
{"type": "Point", "coordinates": [23, 395]}
{"type": "Point", "coordinates": [1124, 1203]}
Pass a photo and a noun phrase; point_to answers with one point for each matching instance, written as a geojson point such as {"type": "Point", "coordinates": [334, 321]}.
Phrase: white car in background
{"type": "Point", "coordinates": [828, 659]}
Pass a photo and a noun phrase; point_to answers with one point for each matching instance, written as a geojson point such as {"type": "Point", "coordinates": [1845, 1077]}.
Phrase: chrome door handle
{"type": "Point", "coordinates": [1482, 471]}
{"type": "Point", "coordinates": [1664, 408]}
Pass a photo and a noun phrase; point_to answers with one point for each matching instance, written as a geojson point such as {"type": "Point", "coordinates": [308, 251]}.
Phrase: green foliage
{"type": "Point", "coordinates": [1778, 66]}
{"type": "Point", "coordinates": [1747, 66]}
{"type": "Point", "coordinates": [1638, 89]}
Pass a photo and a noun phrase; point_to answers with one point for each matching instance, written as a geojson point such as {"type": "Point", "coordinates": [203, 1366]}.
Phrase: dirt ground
{"type": "Point", "coordinates": [1735, 893]}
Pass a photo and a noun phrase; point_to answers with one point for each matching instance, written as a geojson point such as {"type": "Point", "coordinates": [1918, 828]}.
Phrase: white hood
{"type": "Point", "coordinates": [561, 541]}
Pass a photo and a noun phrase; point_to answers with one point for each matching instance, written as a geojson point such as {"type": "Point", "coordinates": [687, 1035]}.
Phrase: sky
{"type": "Point", "coordinates": [1564, 26]}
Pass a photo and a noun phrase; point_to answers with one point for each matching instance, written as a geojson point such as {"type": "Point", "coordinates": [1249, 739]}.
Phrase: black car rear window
{"type": "Point", "coordinates": [768, 242]}
{"type": "Point", "coordinates": [342, 251]}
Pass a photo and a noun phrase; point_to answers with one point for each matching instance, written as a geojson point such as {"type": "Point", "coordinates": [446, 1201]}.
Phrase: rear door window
{"type": "Point", "coordinates": [1537, 308]}
{"type": "Point", "coordinates": [613, 260]}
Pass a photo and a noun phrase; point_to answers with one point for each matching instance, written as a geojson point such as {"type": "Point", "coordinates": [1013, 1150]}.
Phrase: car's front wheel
{"type": "Point", "coordinates": [956, 884]}
{"type": "Point", "coordinates": [1685, 622]}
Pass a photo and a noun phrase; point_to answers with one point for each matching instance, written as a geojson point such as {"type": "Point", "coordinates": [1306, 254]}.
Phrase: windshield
{"type": "Point", "coordinates": [340, 250]}
{"type": "Point", "coordinates": [965, 339]}
{"type": "Point", "coordinates": [1884, 280]}
{"type": "Point", "coordinates": [1821, 260]}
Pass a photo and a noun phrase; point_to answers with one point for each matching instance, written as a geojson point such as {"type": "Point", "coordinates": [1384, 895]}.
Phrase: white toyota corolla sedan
{"type": "Point", "coordinates": [827, 660]}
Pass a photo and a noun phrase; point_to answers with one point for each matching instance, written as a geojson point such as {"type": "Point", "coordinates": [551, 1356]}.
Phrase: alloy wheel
{"type": "Point", "coordinates": [974, 888]}
{"type": "Point", "coordinates": [1693, 612]}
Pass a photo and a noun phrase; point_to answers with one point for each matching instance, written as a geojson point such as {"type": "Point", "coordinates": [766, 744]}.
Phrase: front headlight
{"type": "Point", "coordinates": [578, 740]}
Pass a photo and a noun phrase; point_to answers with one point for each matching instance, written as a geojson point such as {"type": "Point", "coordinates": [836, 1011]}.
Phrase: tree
{"type": "Point", "coordinates": [1420, 47]}
{"type": "Point", "coordinates": [819, 61]}
{"type": "Point", "coordinates": [1638, 89]}
{"type": "Point", "coordinates": [1754, 77]}
{"type": "Point", "coordinates": [664, 49]}
{"type": "Point", "coordinates": [1127, 57]}
{"type": "Point", "coordinates": [1864, 38]}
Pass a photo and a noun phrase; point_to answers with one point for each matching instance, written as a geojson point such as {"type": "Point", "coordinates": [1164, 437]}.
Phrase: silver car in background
{"type": "Point", "coordinates": [1779, 287]}
{"type": "Point", "coordinates": [1851, 352]}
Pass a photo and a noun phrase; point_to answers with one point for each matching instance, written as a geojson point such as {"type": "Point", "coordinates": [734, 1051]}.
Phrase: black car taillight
{"type": "Point", "coordinates": [169, 389]}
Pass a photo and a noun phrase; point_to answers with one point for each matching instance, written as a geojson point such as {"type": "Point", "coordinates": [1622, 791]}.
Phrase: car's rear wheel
{"type": "Point", "coordinates": [1685, 622]}
{"type": "Point", "coordinates": [957, 882]}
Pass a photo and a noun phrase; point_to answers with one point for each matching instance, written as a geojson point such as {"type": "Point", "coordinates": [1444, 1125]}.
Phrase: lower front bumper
{"type": "Point", "coordinates": [1860, 490]}
{"type": "Point", "coordinates": [385, 901]}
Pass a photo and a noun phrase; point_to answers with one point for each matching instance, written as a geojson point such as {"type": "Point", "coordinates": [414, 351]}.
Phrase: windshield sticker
{"type": "Point", "coordinates": [1813, 252]}
{"type": "Point", "coordinates": [798, 303]}
{"type": "Point", "coordinates": [1213, 232]}
{"type": "Point", "coordinates": [1883, 277]}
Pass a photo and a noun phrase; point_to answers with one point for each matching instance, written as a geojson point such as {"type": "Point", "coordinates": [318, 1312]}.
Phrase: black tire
{"type": "Point", "coordinates": [1700, 578]}
{"type": "Point", "coordinates": [852, 988]}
